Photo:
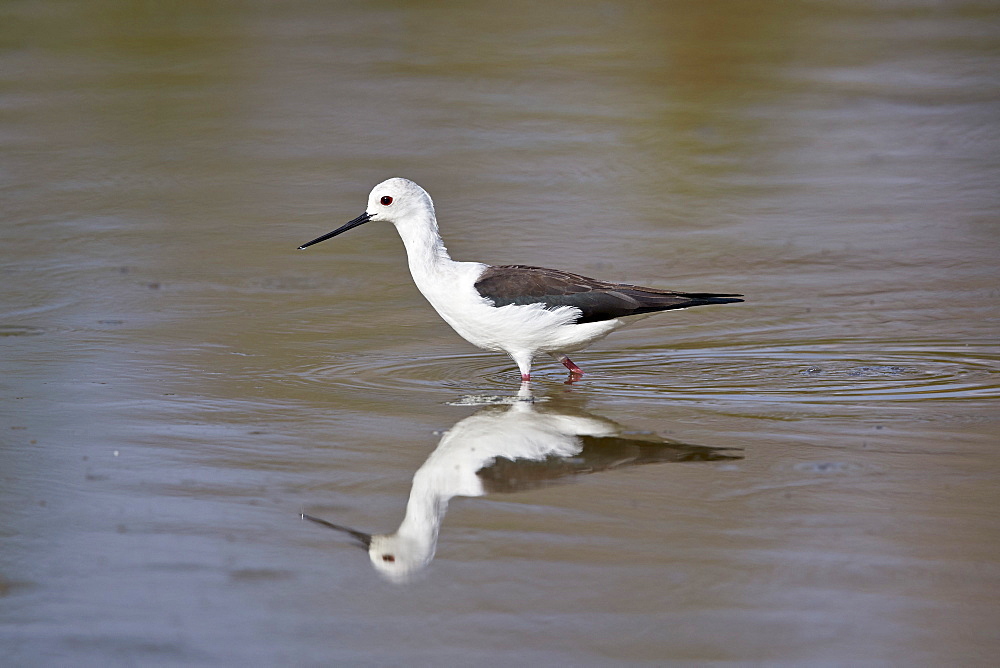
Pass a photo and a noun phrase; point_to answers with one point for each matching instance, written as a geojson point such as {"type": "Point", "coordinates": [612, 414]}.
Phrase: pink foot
{"type": "Point", "coordinates": [525, 377]}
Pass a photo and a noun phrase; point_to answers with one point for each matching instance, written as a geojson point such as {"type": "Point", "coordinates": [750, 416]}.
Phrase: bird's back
{"type": "Point", "coordinates": [597, 300]}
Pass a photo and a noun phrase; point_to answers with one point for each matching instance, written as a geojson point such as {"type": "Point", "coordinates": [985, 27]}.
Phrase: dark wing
{"type": "Point", "coordinates": [597, 300]}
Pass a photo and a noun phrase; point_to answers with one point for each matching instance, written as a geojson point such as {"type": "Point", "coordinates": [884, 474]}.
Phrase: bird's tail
{"type": "Point", "coordinates": [705, 298]}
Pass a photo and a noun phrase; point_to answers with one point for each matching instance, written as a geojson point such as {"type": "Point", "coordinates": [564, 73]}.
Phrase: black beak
{"type": "Point", "coordinates": [364, 538]}
{"type": "Point", "coordinates": [360, 220]}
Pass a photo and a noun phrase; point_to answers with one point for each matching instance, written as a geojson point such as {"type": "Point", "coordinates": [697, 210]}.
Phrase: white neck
{"type": "Point", "coordinates": [425, 251]}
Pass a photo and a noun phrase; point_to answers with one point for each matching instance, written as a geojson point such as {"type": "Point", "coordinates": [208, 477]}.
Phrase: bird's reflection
{"type": "Point", "coordinates": [508, 447]}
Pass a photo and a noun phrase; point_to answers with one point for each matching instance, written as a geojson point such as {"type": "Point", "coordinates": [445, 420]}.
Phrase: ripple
{"type": "Point", "coordinates": [833, 468]}
{"type": "Point", "coordinates": [15, 330]}
{"type": "Point", "coordinates": [493, 400]}
{"type": "Point", "coordinates": [391, 371]}
{"type": "Point", "coordinates": [803, 372]}
{"type": "Point", "coordinates": [819, 372]}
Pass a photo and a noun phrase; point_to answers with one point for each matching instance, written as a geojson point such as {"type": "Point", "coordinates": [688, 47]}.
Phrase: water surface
{"type": "Point", "coordinates": [805, 477]}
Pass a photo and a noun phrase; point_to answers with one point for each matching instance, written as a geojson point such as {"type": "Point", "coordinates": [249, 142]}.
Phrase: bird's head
{"type": "Point", "coordinates": [398, 201]}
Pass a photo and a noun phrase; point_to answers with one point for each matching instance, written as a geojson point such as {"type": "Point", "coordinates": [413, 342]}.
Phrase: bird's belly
{"type": "Point", "coordinates": [529, 327]}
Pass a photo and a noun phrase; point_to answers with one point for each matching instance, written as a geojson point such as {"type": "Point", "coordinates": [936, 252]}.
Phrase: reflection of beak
{"type": "Point", "coordinates": [364, 538]}
{"type": "Point", "coordinates": [360, 220]}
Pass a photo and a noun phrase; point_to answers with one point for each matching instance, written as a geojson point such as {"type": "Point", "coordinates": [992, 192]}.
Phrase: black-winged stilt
{"type": "Point", "coordinates": [520, 310]}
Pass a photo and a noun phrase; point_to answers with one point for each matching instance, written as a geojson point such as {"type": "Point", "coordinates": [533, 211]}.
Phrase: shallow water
{"type": "Point", "coordinates": [805, 477]}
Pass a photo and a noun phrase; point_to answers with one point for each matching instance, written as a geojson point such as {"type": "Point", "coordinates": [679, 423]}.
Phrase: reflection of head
{"type": "Point", "coordinates": [399, 558]}
{"type": "Point", "coordinates": [506, 449]}
{"type": "Point", "coordinates": [396, 557]}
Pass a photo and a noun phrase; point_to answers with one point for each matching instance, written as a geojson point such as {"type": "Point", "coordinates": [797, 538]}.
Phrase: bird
{"type": "Point", "coordinates": [524, 311]}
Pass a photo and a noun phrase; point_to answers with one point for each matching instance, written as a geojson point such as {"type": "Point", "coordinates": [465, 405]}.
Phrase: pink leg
{"type": "Point", "coordinates": [525, 377]}
{"type": "Point", "coordinates": [574, 370]}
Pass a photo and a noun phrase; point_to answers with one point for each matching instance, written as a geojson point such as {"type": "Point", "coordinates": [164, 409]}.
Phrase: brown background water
{"type": "Point", "coordinates": [179, 383]}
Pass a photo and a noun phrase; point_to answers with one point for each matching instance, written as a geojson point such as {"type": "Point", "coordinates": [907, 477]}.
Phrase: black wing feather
{"type": "Point", "coordinates": [597, 300]}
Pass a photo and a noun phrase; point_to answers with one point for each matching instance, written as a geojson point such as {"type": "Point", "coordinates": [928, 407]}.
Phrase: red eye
{"type": "Point", "coordinates": [386, 200]}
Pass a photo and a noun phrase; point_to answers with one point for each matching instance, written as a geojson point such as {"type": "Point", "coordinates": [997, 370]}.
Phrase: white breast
{"type": "Point", "coordinates": [451, 291]}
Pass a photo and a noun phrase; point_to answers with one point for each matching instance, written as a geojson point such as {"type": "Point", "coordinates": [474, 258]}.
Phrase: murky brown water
{"type": "Point", "coordinates": [806, 477]}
